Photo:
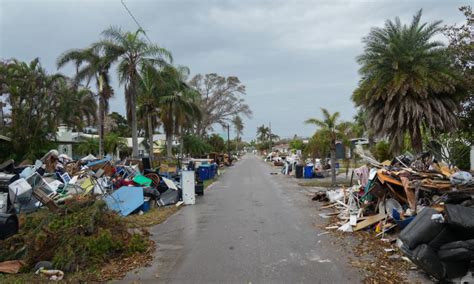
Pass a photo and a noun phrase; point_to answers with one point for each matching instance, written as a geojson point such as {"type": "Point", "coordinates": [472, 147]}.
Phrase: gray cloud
{"type": "Point", "coordinates": [293, 56]}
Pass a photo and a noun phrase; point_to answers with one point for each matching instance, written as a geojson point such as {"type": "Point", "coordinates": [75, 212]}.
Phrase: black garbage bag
{"type": "Point", "coordinates": [457, 251]}
{"type": "Point", "coordinates": [422, 230]}
{"type": "Point", "coordinates": [460, 216]}
{"type": "Point", "coordinates": [446, 235]}
{"type": "Point", "coordinates": [455, 269]}
{"type": "Point", "coordinates": [427, 259]}
{"type": "Point", "coordinates": [151, 192]}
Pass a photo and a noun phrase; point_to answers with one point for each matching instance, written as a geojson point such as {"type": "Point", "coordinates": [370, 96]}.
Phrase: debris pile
{"type": "Point", "coordinates": [83, 236]}
{"type": "Point", "coordinates": [78, 206]}
{"type": "Point", "coordinates": [429, 204]}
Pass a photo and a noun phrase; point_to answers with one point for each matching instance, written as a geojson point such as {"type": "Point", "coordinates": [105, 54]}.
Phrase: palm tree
{"type": "Point", "coordinates": [32, 95]}
{"type": "Point", "coordinates": [132, 51]}
{"type": "Point", "coordinates": [114, 142]}
{"type": "Point", "coordinates": [148, 101]}
{"type": "Point", "coordinates": [263, 133]}
{"type": "Point", "coordinates": [75, 105]}
{"type": "Point", "coordinates": [88, 146]}
{"type": "Point", "coordinates": [91, 64]}
{"type": "Point", "coordinates": [407, 83]}
{"type": "Point", "coordinates": [178, 103]}
{"type": "Point", "coordinates": [328, 126]}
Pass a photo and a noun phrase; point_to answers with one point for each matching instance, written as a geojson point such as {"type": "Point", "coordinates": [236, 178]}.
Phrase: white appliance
{"type": "Point", "coordinates": [20, 191]}
{"type": "Point", "coordinates": [3, 202]}
{"type": "Point", "coordinates": [187, 185]}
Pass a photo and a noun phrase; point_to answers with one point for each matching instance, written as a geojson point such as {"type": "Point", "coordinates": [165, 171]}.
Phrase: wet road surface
{"type": "Point", "coordinates": [249, 227]}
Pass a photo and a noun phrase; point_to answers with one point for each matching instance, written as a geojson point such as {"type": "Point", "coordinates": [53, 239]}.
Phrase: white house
{"type": "Point", "coordinates": [67, 138]}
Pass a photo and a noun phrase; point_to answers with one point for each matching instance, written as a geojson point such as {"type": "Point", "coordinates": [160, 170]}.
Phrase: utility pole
{"type": "Point", "coordinates": [270, 128]}
{"type": "Point", "coordinates": [228, 142]}
{"type": "Point", "coordinates": [2, 122]}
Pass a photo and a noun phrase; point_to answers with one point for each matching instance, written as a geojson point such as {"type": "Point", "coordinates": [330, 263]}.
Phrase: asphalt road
{"type": "Point", "coordinates": [249, 227]}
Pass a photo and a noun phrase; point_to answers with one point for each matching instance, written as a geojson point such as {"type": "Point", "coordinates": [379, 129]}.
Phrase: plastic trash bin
{"type": "Point", "coordinates": [299, 171]}
{"type": "Point", "coordinates": [212, 171]}
{"type": "Point", "coordinates": [308, 172]}
{"type": "Point", "coordinates": [204, 172]}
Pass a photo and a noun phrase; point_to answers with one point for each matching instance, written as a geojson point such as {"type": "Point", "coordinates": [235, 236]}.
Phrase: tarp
{"type": "Point", "coordinates": [125, 200]}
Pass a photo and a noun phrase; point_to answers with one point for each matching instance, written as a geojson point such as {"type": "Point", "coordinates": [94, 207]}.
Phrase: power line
{"type": "Point", "coordinates": [135, 20]}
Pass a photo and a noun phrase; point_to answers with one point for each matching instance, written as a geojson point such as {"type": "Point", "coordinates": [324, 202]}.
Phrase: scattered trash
{"type": "Point", "coordinates": [67, 209]}
{"type": "Point", "coordinates": [53, 274]}
{"type": "Point", "coordinates": [427, 204]}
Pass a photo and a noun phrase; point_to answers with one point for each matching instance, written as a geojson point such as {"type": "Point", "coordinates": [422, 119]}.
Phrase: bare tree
{"type": "Point", "coordinates": [220, 100]}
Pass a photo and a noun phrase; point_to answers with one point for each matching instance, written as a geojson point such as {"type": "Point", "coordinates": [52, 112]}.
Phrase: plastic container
{"type": "Point", "coordinates": [145, 206]}
{"type": "Point", "coordinates": [204, 172]}
{"type": "Point", "coordinates": [213, 171]}
{"type": "Point", "coordinates": [308, 172]}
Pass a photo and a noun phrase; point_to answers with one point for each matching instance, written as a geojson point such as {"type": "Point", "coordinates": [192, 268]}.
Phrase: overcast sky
{"type": "Point", "coordinates": [293, 56]}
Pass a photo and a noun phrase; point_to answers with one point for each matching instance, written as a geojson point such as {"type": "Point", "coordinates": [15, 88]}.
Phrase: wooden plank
{"type": "Point", "coordinates": [386, 178]}
{"type": "Point", "coordinates": [328, 206]}
{"type": "Point", "coordinates": [369, 221]}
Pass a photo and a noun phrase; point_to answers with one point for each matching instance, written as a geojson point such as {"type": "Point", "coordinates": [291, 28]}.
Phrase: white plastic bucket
{"type": "Point", "coordinates": [3, 202]}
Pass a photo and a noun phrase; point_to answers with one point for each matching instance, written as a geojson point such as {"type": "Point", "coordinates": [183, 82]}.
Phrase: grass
{"type": "Point", "coordinates": [324, 183]}
{"type": "Point", "coordinates": [80, 239]}
{"type": "Point", "coordinates": [153, 217]}
{"type": "Point", "coordinates": [208, 182]}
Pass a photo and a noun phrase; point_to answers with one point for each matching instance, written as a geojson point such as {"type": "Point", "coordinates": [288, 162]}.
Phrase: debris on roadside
{"type": "Point", "coordinates": [69, 213]}
{"type": "Point", "coordinates": [428, 205]}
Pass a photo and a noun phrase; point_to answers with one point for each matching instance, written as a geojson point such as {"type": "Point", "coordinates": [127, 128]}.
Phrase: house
{"type": "Point", "coordinates": [66, 138]}
{"type": "Point", "coordinates": [282, 148]}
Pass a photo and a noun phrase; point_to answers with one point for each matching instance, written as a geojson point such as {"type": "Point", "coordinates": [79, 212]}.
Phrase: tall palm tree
{"type": "Point", "coordinates": [407, 82]}
{"type": "Point", "coordinates": [263, 133]}
{"type": "Point", "coordinates": [178, 103]}
{"type": "Point", "coordinates": [148, 101]}
{"type": "Point", "coordinates": [328, 126]}
{"type": "Point", "coordinates": [91, 64]}
{"type": "Point", "coordinates": [132, 51]}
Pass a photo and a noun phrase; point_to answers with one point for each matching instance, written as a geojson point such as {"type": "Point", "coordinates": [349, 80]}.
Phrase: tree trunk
{"type": "Point", "coordinates": [417, 140]}
{"type": "Point", "coordinates": [101, 126]}
{"type": "Point", "coordinates": [169, 142]}
{"type": "Point", "coordinates": [2, 125]}
{"type": "Point", "coordinates": [134, 120]}
{"type": "Point", "coordinates": [181, 143]}
{"type": "Point", "coordinates": [150, 139]}
{"type": "Point", "coordinates": [333, 164]}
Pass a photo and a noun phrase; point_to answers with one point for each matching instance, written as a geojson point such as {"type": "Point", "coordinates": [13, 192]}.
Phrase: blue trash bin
{"type": "Point", "coordinates": [204, 172]}
{"type": "Point", "coordinates": [213, 171]}
{"type": "Point", "coordinates": [308, 172]}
